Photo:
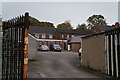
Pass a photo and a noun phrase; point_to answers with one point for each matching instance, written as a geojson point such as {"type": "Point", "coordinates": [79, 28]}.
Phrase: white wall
{"type": "Point", "coordinates": [43, 35]}
{"type": "Point", "coordinates": [50, 36]}
{"type": "Point", "coordinates": [32, 47]}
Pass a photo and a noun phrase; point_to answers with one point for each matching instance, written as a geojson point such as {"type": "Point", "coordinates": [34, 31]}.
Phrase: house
{"type": "Point", "coordinates": [99, 29]}
{"type": "Point", "coordinates": [45, 36]}
{"type": "Point", "coordinates": [75, 43]}
{"type": "Point", "coordinates": [48, 36]}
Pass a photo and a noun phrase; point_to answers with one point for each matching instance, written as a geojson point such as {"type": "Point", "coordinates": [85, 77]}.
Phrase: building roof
{"type": "Point", "coordinates": [84, 32]}
{"type": "Point", "coordinates": [46, 30]}
{"type": "Point", "coordinates": [61, 30]}
{"type": "Point", "coordinates": [76, 39]}
{"type": "Point", "coordinates": [105, 28]}
{"type": "Point", "coordinates": [101, 33]}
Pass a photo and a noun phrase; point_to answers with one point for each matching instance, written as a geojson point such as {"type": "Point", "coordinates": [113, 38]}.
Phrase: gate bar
{"type": "Point", "coordinates": [26, 46]}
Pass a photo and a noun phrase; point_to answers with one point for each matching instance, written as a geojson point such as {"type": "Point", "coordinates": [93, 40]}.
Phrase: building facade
{"type": "Point", "coordinates": [75, 43]}
{"type": "Point", "coordinates": [48, 36]}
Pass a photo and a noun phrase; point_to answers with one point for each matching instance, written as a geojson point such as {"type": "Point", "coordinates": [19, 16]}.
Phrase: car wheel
{"type": "Point", "coordinates": [53, 50]}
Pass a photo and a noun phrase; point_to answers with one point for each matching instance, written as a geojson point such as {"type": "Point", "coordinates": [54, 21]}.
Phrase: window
{"type": "Point", "coordinates": [43, 35]}
{"type": "Point", "coordinates": [57, 42]}
{"type": "Point", "coordinates": [50, 36]}
{"type": "Point", "coordinates": [45, 43]}
{"type": "Point", "coordinates": [72, 35]}
{"type": "Point", "coordinates": [61, 42]}
{"type": "Point", "coordinates": [62, 36]}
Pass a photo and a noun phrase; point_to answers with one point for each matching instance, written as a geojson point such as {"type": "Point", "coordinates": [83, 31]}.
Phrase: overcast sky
{"type": "Point", "coordinates": [58, 12]}
{"type": "Point", "coordinates": [119, 11]}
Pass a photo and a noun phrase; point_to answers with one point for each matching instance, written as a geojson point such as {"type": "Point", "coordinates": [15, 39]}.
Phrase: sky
{"type": "Point", "coordinates": [119, 11]}
{"type": "Point", "coordinates": [58, 12]}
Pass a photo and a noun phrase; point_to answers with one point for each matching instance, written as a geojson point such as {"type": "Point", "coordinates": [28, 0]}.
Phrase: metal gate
{"type": "Point", "coordinates": [112, 39]}
{"type": "Point", "coordinates": [15, 48]}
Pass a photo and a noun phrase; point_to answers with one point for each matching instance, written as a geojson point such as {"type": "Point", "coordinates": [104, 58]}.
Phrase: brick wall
{"type": "Point", "coordinates": [93, 52]}
{"type": "Point", "coordinates": [75, 47]}
{"type": "Point", "coordinates": [47, 36]}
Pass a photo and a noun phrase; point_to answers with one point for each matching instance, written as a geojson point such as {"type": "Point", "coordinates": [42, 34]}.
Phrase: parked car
{"type": "Point", "coordinates": [43, 48]}
{"type": "Point", "coordinates": [79, 53]}
{"type": "Point", "coordinates": [55, 47]}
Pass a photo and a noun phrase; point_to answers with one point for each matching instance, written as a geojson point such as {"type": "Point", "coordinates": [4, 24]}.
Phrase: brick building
{"type": "Point", "coordinates": [99, 29]}
{"type": "Point", "coordinates": [47, 36]}
{"type": "Point", "coordinates": [75, 43]}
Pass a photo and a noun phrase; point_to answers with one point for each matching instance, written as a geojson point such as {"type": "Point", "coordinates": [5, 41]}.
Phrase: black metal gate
{"type": "Point", "coordinates": [13, 48]}
{"type": "Point", "coordinates": [113, 52]}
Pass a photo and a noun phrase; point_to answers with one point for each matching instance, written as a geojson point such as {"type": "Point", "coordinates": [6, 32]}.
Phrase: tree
{"type": "Point", "coordinates": [96, 20]}
{"type": "Point", "coordinates": [82, 26]}
{"type": "Point", "coordinates": [0, 20]}
{"type": "Point", "coordinates": [65, 25]}
{"type": "Point", "coordinates": [35, 22]}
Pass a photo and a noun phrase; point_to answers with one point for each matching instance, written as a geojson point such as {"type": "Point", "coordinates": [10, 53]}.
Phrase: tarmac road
{"type": "Point", "coordinates": [58, 65]}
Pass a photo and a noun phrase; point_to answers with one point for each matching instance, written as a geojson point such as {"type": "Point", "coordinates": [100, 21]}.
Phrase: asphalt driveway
{"type": "Point", "coordinates": [58, 65]}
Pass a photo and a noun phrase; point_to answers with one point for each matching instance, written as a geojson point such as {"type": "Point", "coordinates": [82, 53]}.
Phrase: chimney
{"type": "Point", "coordinates": [113, 26]}
{"type": "Point", "coordinates": [96, 29]}
{"type": "Point", "coordinates": [117, 24]}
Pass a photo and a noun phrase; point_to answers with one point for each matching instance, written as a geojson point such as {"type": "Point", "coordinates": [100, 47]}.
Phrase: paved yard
{"type": "Point", "coordinates": [58, 65]}
{"type": "Point", "coordinates": [0, 66]}
{"type": "Point", "coordinates": [0, 56]}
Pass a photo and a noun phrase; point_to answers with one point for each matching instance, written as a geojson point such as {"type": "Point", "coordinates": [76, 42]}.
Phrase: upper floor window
{"type": "Point", "coordinates": [62, 36]}
{"type": "Point", "coordinates": [51, 36]}
{"type": "Point", "coordinates": [43, 36]}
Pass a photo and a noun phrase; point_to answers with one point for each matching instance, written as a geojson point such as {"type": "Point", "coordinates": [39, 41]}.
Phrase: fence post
{"type": "Point", "coordinates": [26, 46]}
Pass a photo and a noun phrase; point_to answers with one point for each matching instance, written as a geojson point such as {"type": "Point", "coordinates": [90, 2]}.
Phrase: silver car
{"type": "Point", "coordinates": [43, 48]}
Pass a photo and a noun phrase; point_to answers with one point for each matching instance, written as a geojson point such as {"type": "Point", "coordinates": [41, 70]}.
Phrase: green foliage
{"type": "Point", "coordinates": [35, 22]}
{"type": "Point", "coordinates": [64, 25]}
{"type": "Point", "coordinates": [96, 20]}
{"type": "Point", "coordinates": [82, 26]}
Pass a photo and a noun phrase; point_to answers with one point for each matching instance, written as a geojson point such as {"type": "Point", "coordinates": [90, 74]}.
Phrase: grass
{"type": "Point", "coordinates": [35, 63]}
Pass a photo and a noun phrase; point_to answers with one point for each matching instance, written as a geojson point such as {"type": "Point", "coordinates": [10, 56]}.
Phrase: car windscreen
{"type": "Point", "coordinates": [44, 46]}
{"type": "Point", "coordinates": [57, 46]}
